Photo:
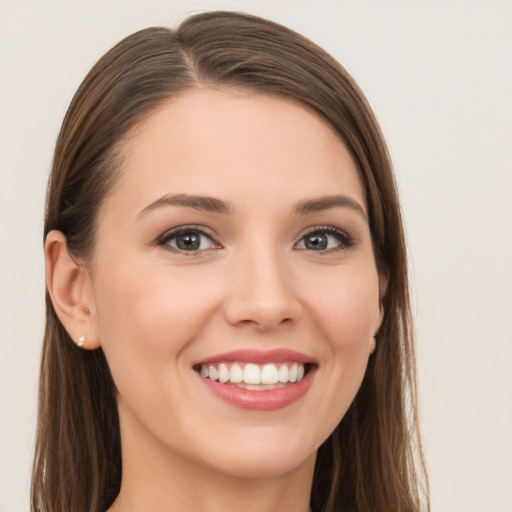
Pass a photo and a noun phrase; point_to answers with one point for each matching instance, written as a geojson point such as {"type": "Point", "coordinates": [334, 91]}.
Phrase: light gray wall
{"type": "Point", "coordinates": [439, 75]}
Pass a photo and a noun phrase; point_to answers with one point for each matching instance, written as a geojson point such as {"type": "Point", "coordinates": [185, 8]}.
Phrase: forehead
{"type": "Point", "coordinates": [224, 143]}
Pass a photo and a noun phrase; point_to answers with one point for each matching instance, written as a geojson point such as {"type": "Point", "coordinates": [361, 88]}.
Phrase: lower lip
{"type": "Point", "coordinates": [263, 400]}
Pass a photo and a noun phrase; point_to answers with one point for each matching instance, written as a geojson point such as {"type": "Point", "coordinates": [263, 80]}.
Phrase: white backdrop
{"type": "Point", "coordinates": [439, 76]}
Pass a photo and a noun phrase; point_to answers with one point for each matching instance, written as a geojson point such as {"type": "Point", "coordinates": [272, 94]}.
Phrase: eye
{"type": "Point", "coordinates": [325, 239]}
{"type": "Point", "coordinates": [187, 239]}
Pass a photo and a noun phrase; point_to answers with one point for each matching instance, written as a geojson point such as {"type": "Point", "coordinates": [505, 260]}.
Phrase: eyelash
{"type": "Point", "coordinates": [345, 241]}
{"type": "Point", "coordinates": [164, 239]}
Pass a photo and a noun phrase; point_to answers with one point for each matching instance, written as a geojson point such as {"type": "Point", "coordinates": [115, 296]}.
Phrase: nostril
{"type": "Point", "coordinates": [263, 319]}
{"type": "Point", "coordinates": [268, 299]}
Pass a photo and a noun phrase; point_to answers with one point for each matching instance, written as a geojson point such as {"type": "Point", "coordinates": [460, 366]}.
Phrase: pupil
{"type": "Point", "coordinates": [188, 241]}
{"type": "Point", "coordinates": [316, 242]}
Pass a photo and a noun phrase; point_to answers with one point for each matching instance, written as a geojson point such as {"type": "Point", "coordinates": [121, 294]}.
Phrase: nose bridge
{"type": "Point", "coordinates": [262, 291]}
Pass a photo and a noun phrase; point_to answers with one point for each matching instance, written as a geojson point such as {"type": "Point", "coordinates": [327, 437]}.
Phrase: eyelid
{"type": "Point", "coordinates": [345, 240]}
{"type": "Point", "coordinates": [163, 239]}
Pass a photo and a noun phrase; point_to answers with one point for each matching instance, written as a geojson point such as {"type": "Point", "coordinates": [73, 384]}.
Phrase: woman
{"type": "Point", "coordinates": [227, 310]}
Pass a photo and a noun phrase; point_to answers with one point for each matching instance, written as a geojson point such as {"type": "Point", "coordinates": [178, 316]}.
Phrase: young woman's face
{"type": "Point", "coordinates": [233, 285]}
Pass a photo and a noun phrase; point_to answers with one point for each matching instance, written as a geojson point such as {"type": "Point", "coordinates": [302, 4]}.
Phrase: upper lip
{"type": "Point", "coordinates": [278, 355]}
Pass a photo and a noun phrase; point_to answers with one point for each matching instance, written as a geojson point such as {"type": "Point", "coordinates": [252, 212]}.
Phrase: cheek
{"type": "Point", "coordinates": [146, 320]}
{"type": "Point", "coordinates": [151, 313]}
{"type": "Point", "coordinates": [348, 312]}
{"type": "Point", "coordinates": [344, 316]}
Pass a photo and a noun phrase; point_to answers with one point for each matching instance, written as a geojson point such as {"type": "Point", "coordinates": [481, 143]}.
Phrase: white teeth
{"type": "Point", "coordinates": [269, 374]}
{"type": "Point", "coordinates": [292, 373]}
{"type": "Point", "coordinates": [212, 372]}
{"type": "Point", "coordinates": [283, 373]}
{"type": "Point", "coordinates": [236, 374]}
{"type": "Point", "coordinates": [223, 373]}
{"type": "Point", "coordinates": [250, 374]}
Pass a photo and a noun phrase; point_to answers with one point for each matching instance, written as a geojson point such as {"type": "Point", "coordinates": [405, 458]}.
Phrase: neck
{"type": "Point", "coordinates": [212, 495]}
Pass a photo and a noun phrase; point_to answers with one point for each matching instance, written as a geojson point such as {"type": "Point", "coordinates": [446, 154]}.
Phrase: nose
{"type": "Point", "coordinates": [262, 293]}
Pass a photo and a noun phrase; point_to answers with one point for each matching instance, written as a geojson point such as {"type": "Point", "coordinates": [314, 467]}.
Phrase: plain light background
{"type": "Point", "coordinates": [439, 76]}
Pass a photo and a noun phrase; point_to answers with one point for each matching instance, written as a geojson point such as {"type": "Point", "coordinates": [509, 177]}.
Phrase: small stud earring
{"type": "Point", "coordinates": [81, 341]}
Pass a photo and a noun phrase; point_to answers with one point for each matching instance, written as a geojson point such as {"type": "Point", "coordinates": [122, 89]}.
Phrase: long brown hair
{"type": "Point", "coordinates": [373, 460]}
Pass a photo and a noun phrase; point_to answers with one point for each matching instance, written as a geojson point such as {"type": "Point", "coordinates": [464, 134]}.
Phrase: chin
{"type": "Point", "coordinates": [260, 455]}
{"type": "Point", "coordinates": [262, 465]}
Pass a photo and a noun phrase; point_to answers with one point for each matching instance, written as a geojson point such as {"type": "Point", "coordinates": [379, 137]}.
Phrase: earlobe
{"type": "Point", "coordinates": [66, 281]}
{"type": "Point", "coordinates": [373, 344]}
{"type": "Point", "coordinates": [373, 341]}
{"type": "Point", "coordinates": [383, 286]}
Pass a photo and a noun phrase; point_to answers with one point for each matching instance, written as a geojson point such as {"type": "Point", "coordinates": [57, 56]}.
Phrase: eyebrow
{"type": "Point", "coordinates": [204, 203]}
{"type": "Point", "coordinates": [212, 204]}
{"type": "Point", "coordinates": [325, 203]}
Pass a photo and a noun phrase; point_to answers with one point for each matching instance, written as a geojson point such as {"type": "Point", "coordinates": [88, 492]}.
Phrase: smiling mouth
{"type": "Point", "coordinates": [255, 377]}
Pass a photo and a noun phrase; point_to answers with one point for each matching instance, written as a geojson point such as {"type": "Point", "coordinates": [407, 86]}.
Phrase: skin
{"type": "Point", "coordinates": [155, 310]}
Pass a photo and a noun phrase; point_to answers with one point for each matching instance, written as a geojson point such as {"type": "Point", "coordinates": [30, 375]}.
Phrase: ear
{"type": "Point", "coordinates": [66, 282]}
{"type": "Point", "coordinates": [373, 345]}
{"type": "Point", "coordinates": [383, 286]}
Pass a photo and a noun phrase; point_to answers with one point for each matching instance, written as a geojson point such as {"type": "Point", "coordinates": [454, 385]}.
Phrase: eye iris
{"type": "Point", "coordinates": [188, 241]}
{"type": "Point", "coordinates": [316, 242]}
